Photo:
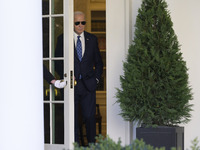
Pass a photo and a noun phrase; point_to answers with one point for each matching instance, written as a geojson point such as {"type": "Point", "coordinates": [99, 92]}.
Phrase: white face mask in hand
{"type": "Point", "coordinates": [60, 84]}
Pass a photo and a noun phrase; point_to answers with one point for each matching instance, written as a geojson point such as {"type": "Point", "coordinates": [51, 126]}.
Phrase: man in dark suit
{"type": "Point", "coordinates": [88, 68]}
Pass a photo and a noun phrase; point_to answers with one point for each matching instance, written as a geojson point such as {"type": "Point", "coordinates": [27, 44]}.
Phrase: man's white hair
{"type": "Point", "coordinates": [78, 13]}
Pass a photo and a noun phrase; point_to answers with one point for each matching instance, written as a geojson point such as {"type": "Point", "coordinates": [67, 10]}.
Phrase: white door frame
{"type": "Point", "coordinates": [69, 69]}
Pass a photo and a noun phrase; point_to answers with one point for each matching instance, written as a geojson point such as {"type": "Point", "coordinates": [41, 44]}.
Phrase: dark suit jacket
{"type": "Point", "coordinates": [91, 66]}
{"type": "Point", "coordinates": [47, 75]}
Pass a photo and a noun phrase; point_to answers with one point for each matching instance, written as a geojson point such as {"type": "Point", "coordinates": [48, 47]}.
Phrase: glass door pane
{"type": "Point", "coordinates": [57, 7]}
{"type": "Point", "coordinates": [45, 7]}
{"type": "Point", "coordinates": [46, 123]}
{"type": "Point", "coordinates": [58, 123]}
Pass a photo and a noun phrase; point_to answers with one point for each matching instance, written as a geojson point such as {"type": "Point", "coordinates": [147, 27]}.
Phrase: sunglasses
{"type": "Point", "coordinates": [78, 22]}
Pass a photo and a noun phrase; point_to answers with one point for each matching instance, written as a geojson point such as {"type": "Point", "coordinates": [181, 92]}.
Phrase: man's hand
{"type": "Point", "coordinates": [60, 84]}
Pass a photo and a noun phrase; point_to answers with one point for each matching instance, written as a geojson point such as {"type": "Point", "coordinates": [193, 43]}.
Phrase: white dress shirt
{"type": "Point", "coordinates": [82, 38]}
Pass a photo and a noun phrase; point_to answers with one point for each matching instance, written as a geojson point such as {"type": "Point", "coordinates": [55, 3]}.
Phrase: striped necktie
{"type": "Point", "coordinates": [79, 48]}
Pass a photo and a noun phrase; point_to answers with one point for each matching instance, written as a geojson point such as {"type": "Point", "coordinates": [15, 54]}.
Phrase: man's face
{"type": "Point", "coordinates": [80, 27]}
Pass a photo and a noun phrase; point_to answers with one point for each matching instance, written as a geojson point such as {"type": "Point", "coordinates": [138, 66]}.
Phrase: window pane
{"type": "Point", "coordinates": [47, 123]}
{"type": "Point", "coordinates": [57, 30]}
{"type": "Point", "coordinates": [57, 68]}
{"type": "Point", "coordinates": [45, 7]}
{"type": "Point", "coordinates": [57, 94]}
{"type": "Point", "coordinates": [58, 123]}
{"type": "Point", "coordinates": [45, 37]}
{"type": "Point", "coordinates": [57, 7]}
{"type": "Point", "coordinates": [46, 86]}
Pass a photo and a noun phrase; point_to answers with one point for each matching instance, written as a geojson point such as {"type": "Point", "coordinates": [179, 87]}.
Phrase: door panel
{"type": "Point", "coordinates": [58, 103]}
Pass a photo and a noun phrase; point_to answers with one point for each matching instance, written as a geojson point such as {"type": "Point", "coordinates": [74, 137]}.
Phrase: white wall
{"type": "Point", "coordinates": [185, 17]}
{"type": "Point", "coordinates": [21, 98]}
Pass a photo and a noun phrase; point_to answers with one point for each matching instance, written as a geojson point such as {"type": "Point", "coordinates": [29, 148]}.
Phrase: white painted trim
{"type": "Point", "coordinates": [55, 147]}
{"type": "Point", "coordinates": [69, 66]}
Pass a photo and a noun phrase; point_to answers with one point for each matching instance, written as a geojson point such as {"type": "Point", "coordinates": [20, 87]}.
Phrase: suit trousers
{"type": "Point", "coordinates": [87, 102]}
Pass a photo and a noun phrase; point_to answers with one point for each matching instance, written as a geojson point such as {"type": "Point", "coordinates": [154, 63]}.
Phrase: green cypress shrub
{"type": "Point", "coordinates": [155, 88]}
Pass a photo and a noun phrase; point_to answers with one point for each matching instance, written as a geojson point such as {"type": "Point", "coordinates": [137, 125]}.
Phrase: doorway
{"type": "Point", "coordinates": [59, 103]}
{"type": "Point", "coordinates": [95, 13]}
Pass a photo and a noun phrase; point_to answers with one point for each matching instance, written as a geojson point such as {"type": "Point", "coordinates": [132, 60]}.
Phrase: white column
{"type": "Point", "coordinates": [116, 44]}
{"type": "Point", "coordinates": [21, 90]}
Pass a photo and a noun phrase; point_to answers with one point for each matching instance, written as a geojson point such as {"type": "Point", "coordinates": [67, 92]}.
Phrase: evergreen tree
{"type": "Point", "coordinates": [154, 87]}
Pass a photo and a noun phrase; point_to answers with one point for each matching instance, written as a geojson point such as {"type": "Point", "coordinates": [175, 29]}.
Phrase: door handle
{"type": "Point", "coordinates": [71, 79]}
